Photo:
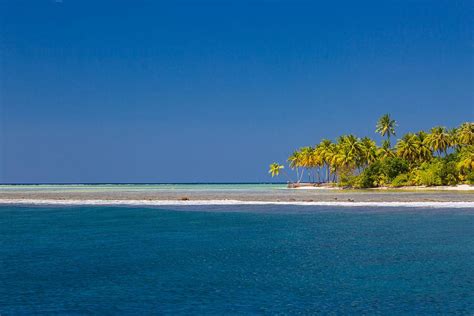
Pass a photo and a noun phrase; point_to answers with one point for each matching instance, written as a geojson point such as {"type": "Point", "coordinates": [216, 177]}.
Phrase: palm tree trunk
{"type": "Point", "coordinates": [287, 176]}
{"type": "Point", "coordinates": [301, 175]}
{"type": "Point", "coordinates": [328, 173]}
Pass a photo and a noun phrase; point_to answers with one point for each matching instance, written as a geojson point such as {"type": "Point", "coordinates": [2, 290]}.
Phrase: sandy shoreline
{"type": "Point", "coordinates": [459, 187]}
{"type": "Point", "coordinates": [246, 195]}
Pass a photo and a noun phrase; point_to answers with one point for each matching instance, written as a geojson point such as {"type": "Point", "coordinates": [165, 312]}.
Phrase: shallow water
{"type": "Point", "coordinates": [236, 191]}
{"type": "Point", "coordinates": [236, 259]}
{"type": "Point", "coordinates": [145, 187]}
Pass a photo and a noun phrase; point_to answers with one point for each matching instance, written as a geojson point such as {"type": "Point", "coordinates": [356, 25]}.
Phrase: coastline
{"type": "Point", "coordinates": [218, 194]}
{"type": "Point", "coordinates": [459, 187]}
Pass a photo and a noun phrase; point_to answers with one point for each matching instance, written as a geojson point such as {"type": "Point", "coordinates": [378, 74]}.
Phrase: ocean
{"type": "Point", "coordinates": [236, 259]}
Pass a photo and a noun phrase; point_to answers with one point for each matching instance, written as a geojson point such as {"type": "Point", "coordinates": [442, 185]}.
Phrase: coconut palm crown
{"type": "Point", "coordinates": [465, 134]}
{"type": "Point", "coordinates": [386, 126]}
{"type": "Point", "coordinates": [275, 169]}
{"type": "Point", "coordinates": [438, 140]}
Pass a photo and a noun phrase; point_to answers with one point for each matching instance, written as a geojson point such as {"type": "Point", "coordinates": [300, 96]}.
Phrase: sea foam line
{"type": "Point", "coordinates": [424, 204]}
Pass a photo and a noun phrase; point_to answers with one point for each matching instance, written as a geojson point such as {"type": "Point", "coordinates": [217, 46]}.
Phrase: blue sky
{"type": "Point", "coordinates": [214, 91]}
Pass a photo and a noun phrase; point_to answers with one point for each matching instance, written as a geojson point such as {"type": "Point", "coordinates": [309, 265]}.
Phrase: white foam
{"type": "Point", "coordinates": [423, 204]}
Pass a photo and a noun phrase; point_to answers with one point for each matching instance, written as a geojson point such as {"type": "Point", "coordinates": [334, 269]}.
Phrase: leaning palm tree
{"type": "Point", "coordinates": [295, 162]}
{"type": "Point", "coordinates": [386, 126]}
{"type": "Point", "coordinates": [465, 134]}
{"type": "Point", "coordinates": [275, 169]}
{"type": "Point", "coordinates": [438, 140]}
{"type": "Point", "coordinates": [307, 160]}
{"type": "Point", "coordinates": [332, 164]}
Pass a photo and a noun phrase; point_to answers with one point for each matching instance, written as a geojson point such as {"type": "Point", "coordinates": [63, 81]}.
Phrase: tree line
{"type": "Point", "coordinates": [441, 157]}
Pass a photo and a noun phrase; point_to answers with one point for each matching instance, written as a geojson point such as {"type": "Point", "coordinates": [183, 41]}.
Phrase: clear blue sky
{"type": "Point", "coordinates": [204, 91]}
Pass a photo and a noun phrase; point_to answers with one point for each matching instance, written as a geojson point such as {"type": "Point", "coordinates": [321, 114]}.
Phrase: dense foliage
{"type": "Point", "coordinates": [440, 157]}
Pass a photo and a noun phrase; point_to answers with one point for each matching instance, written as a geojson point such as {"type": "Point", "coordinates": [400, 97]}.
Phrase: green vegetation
{"type": "Point", "coordinates": [440, 157]}
{"type": "Point", "coordinates": [275, 169]}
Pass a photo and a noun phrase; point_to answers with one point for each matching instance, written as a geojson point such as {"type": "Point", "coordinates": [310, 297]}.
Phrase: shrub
{"type": "Point", "coordinates": [346, 178]}
{"type": "Point", "coordinates": [451, 180]}
{"type": "Point", "coordinates": [437, 172]}
{"type": "Point", "coordinates": [470, 177]}
{"type": "Point", "coordinates": [429, 178]}
{"type": "Point", "coordinates": [382, 172]}
{"type": "Point", "coordinates": [364, 181]}
{"type": "Point", "coordinates": [392, 167]}
{"type": "Point", "coordinates": [369, 178]}
{"type": "Point", "coordinates": [429, 174]}
{"type": "Point", "coordinates": [448, 172]}
{"type": "Point", "coordinates": [401, 180]}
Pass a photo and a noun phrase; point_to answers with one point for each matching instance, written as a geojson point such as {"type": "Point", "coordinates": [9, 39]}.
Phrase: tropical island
{"type": "Point", "coordinates": [442, 157]}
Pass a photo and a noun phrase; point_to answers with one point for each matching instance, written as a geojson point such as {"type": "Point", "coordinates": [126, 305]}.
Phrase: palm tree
{"type": "Point", "coordinates": [385, 151]}
{"type": "Point", "coordinates": [324, 149]}
{"type": "Point", "coordinates": [408, 147]}
{"type": "Point", "coordinates": [307, 160]}
{"type": "Point", "coordinates": [347, 155]}
{"type": "Point", "coordinates": [275, 169]}
{"type": "Point", "coordinates": [466, 159]}
{"type": "Point", "coordinates": [295, 163]}
{"type": "Point", "coordinates": [438, 140]}
{"type": "Point", "coordinates": [368, 150]}
{"type": "Point", "coordinates": [353, 144]}
{"type": "Point", "coordinates": [424, 151]}
{"type": "Point", "coordinates": [350, 149]}
{"type": "Point", "coordinates": [343, 160]}
{"type": "Point", "coordinates": [453, 138]}
{"type": "Point", "coordinates": [465, 134]}
{"type": "Point", "coordinates": [331, 155]}
{"type": "Point", "coordinates": [317, 163]}
{"type": "Point", "coordinates": [421, 135]}
{"type": "Point", "coordinates": [386, 126]}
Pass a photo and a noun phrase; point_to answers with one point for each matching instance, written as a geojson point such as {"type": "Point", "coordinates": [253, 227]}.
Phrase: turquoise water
{"type": "Point", "coordinates": [143, 187]}
{"type": "Point", "coordinates": [244, 260]}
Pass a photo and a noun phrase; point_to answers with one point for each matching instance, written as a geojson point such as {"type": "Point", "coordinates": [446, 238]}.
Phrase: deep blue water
{"type": "Point", "coordinates": [76, 260]}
